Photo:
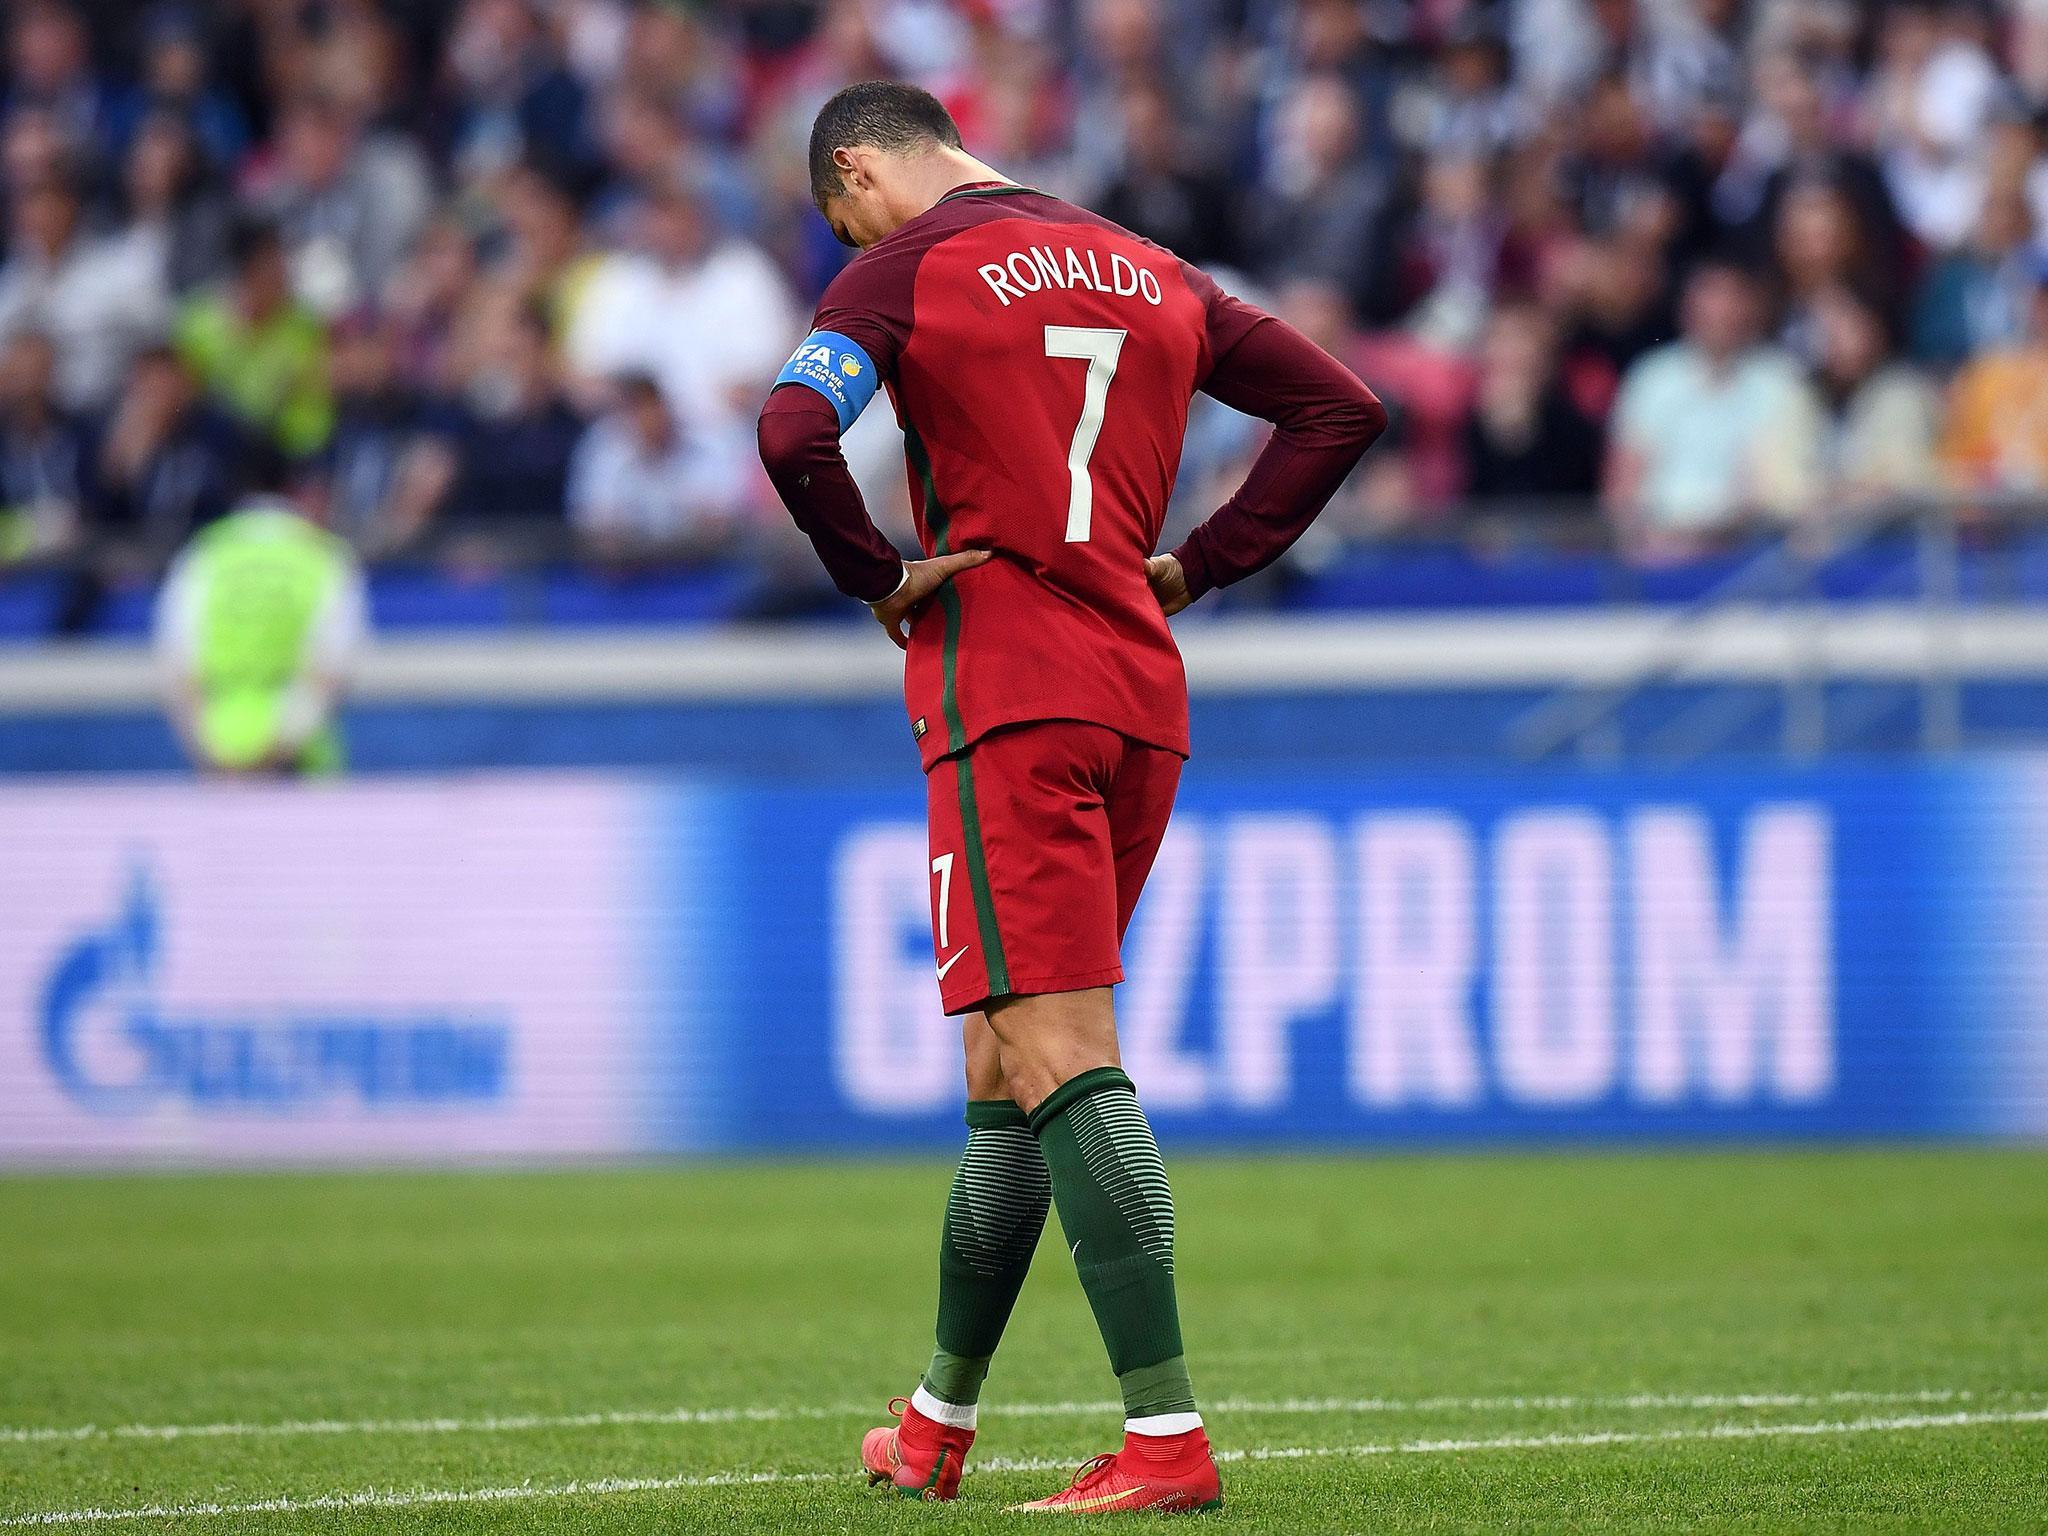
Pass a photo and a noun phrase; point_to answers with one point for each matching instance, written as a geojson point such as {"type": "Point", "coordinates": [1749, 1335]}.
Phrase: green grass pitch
{"type": "Point", "coordinates": [1851, 1341]}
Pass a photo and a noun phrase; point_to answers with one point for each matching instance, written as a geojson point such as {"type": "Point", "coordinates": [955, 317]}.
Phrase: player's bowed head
{"type": "Point", "coordinates": [883, 153]}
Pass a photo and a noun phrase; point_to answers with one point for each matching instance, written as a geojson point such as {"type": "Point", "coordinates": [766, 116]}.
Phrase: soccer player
{"type": "Point", "coordinates": [258, 627]}
{"type": "Point", "coordinates": [1041, 361]}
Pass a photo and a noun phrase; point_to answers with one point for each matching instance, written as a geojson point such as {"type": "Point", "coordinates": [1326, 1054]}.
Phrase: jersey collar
{"type": "Point", "coordinates": [965, 189]}
{"type": "Point", "coordinates": [984, 189]}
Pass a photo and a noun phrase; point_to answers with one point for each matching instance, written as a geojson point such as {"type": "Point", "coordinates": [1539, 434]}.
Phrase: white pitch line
{"type": "Point", "coordinates": [516, 1423]}
{"type": "Point", "coordinates": [372, 1498]}
{"type": "Point", "coordinates": [1632, 1400]}
{"type": "Point", "coordinates": [488, 1424]}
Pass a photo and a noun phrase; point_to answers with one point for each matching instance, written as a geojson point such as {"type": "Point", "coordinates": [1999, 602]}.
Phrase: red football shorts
{"type": "Point", "coordinates": [1041, 838]}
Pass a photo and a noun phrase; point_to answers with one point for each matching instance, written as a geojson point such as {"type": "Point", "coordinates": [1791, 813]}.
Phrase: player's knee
{"type": "Point", "coordinates": [985, 1078]}
{"type": "Point", "coordinates": [1047, 1038]}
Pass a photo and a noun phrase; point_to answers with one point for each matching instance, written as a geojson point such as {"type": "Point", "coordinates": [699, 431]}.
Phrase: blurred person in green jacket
{"type": "Point", "coordinates": [257, 627]}
{"type": "Point", "coordinates": [260, 352]}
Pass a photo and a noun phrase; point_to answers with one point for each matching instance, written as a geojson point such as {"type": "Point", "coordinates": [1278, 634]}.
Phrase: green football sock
{"type": "Point", "coordinates": [1117, 1212]}
{"type": "Point", "coordinates": [994, 1215]}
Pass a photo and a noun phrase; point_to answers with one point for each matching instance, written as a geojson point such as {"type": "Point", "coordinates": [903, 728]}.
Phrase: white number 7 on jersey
{"type": "Point", "coordinates": [1101, 348]}
{"type": "Point", "coordinates": [942, 866]}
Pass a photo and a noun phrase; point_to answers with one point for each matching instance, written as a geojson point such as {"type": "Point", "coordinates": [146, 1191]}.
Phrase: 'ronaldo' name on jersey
{"type": "Point", "coordinates": [1040, 269]}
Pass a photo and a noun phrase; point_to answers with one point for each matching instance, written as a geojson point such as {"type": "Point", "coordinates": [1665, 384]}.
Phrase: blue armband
{"type": "Point", "coordinates": [837, 368]}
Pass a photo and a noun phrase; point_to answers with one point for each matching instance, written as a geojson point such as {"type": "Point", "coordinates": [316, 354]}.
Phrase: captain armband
{"type": "Point", "coordinates": [837, 368]}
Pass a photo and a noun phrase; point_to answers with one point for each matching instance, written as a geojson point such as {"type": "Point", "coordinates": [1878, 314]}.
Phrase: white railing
{"type": "Point", "coordinates": [1591, 654]}
{"type": "Point", "coordinates": [1781, 588]}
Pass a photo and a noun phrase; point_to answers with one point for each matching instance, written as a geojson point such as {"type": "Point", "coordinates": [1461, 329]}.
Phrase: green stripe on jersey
{"type": "Point", "coordinates": [956, 728]}
{"type": "Point", "coordinates": [949, 600]}
{"type": "Point", "coordinates": [977, 881]}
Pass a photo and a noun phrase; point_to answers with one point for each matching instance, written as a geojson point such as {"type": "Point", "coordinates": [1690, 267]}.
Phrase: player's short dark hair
{"type": "Point", "coordinates": [880, 114]}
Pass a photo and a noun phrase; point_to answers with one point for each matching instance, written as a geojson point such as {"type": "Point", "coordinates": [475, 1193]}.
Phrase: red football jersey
{"type": "Point", "coordinates": [1041, 361]}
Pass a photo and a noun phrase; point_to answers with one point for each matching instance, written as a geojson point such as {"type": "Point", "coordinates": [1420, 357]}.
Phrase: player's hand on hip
{"type": "Point", "coordinates": [921, 578]}
{"type": "Point", "coordinates": [1169, 583]}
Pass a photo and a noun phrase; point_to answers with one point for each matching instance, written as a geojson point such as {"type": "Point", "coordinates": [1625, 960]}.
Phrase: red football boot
{"type": "Point", "coordinates": [921, 1457]}
{"type": "Point", "coordinates": [1174, 1474]}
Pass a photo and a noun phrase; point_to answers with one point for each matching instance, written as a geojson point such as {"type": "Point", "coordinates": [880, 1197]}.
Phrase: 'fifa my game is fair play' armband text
{"type": "Point", "coordinates": [837, 368]}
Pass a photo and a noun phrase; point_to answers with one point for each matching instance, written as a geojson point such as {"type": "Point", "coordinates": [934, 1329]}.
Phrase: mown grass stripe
{"type": "Point", "coordinates": [1072, 1408]}
{"type": "Point", "coordinates": [605, 1487]}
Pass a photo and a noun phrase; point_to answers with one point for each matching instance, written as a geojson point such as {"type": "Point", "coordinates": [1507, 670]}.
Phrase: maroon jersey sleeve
{"type": "Point", "coordinates": [1324, 419]}
{"type": "Point", "coordinates": [799, 439]}
{"type": "Point", "coordinates": [1227, 320]}
{"type": "Point", "coordinates": [869, 304]}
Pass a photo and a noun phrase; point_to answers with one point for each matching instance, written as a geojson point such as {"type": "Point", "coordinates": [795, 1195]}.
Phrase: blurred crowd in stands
{"type": "Point", "coordinates": [515, 273]}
